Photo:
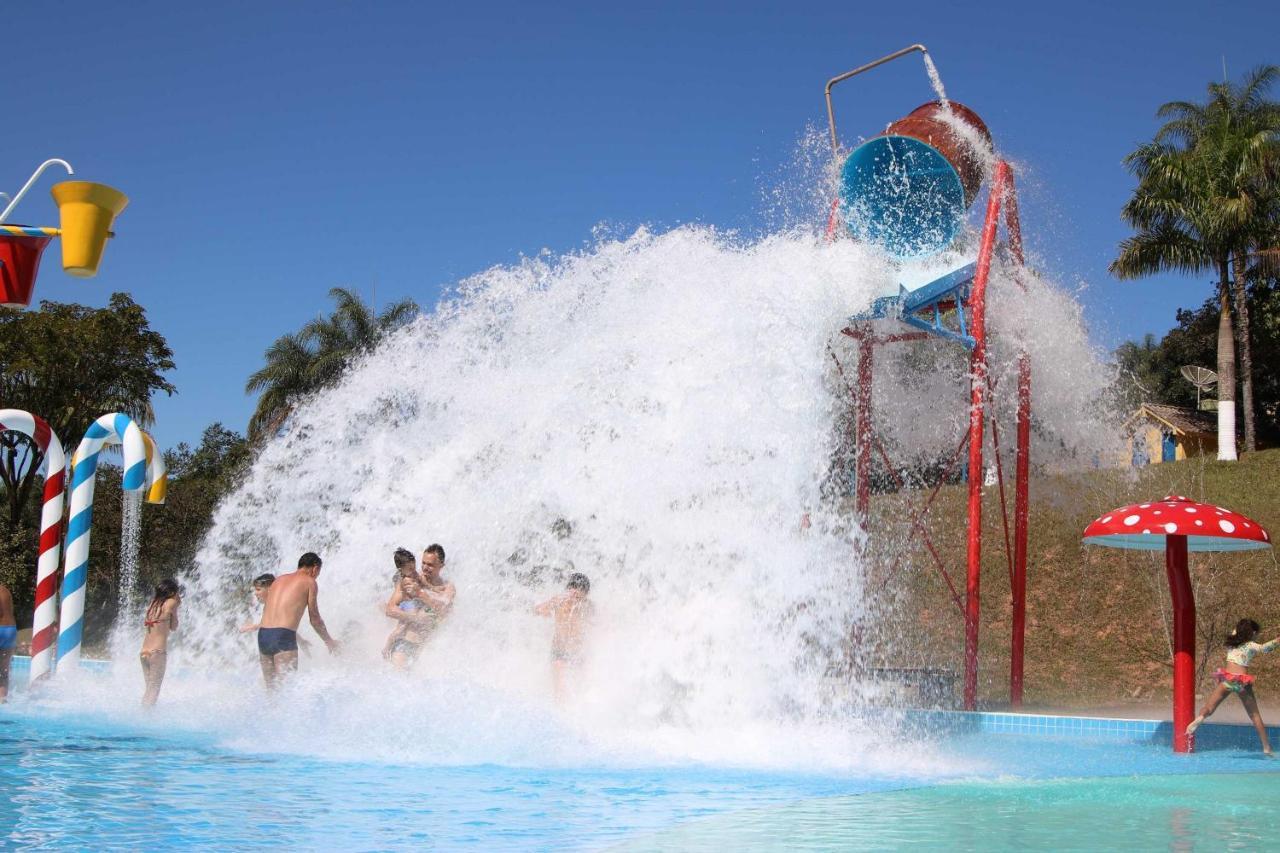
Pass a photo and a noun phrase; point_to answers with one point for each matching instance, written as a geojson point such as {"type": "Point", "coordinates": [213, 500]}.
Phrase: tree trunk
{"type": "Point", "coordinates": [1226, 370]}
{"type": "Point", "coordinates": [1246, 355]}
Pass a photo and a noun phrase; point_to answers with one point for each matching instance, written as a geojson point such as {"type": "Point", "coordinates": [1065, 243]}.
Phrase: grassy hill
{"type": "Point", "coordinates": [1098, 621]}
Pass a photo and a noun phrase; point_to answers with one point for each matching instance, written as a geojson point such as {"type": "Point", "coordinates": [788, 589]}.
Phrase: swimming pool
{"type": "Point", "coordinates": [83, 779]}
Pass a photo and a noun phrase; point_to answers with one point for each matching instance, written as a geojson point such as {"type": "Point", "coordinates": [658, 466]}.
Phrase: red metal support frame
{"type": "Point", "coordinates": [1002, 200]}
{"type": "Point", "coordinates": [977, 416]}
{"type": "Point", "coordinates": [1022, 470]}
{"type": "Point", "coordinates": [1184, 639]}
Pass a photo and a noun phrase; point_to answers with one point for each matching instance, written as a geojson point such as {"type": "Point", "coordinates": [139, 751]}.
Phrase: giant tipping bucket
{"type": "Point", "coordinates": [19, 263]}
{"type": "Point", "coordinates": [87, 211]}
{"type": "Point", "coordinates": [907, 190]}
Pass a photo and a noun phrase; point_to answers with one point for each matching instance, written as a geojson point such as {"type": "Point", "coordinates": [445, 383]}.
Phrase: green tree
{"type": "Point", "coordinates": [1205, 192]}
{"type": "Point", "coordinates": [316, 357]}
{"type": "Point", "coordinates": [69, 364]}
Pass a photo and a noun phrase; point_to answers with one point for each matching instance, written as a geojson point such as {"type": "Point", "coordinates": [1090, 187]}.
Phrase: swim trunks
{"type": "Point", "coordinates": [273, 641]}
{"type": "Point", "coordinates": [8, 636]}
{"type": "Point", "coordinates": [406, 648]}
{"type": "Point", "coordinates": [566, 656]}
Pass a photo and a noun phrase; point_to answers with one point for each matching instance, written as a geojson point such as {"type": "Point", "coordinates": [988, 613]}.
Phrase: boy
{"type": "Point", "coordinates": [572, 612]}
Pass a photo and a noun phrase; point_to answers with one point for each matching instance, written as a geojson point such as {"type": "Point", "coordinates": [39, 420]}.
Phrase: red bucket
{"type": "Point", "coordinates": [19, 263]}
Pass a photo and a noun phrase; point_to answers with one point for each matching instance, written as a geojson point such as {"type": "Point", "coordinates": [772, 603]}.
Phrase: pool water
{"type": "Point", "coordinates": [76, 781]}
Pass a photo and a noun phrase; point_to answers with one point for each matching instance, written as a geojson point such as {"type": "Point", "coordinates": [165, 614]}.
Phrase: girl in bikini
{"type": "Point", "coordinates": [161, 619]}
{"type": "Point", "coordinates": [1235, 677]}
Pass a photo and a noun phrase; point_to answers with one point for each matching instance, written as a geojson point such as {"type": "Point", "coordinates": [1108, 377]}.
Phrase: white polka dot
{"type": "Point", "coordinates": [1107, 519]}
{"type": "Point", "coordinates": [1143, 506]}
{"type": "Point", "coordinates": [1145, 532]}
{"type": "Point", "coordinates": [1171, 528]}
{"type": "Point", "coordinates": [1246, 524]}
{"type": "Point", "coordinates": [1157, 512]}
{"type": "Point", "coordinates": [1219, 512]}
{"type": "Point", "coordinates": [1130, 520]}
{"type": "Point", "coordinates": [1191, 509]}
{"type": "Point", "coordinates": [1227, 527]}
{"type": "Point", "coordinates": [1199, 523]}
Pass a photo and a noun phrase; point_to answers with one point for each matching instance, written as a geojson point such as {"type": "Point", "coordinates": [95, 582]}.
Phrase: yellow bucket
{"type": "Point", "coordinates": [87, 211]}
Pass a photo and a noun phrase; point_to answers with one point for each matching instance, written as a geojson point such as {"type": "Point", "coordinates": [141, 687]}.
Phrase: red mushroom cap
{"type": "Point", "coordinates": [1207, 527]}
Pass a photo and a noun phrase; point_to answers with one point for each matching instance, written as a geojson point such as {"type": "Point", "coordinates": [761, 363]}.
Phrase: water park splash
{"type": "Point", "coordinates": [659, 411]}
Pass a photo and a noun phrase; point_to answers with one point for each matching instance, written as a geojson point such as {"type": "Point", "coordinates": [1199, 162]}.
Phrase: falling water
{"type": "Point", "coordinates": [659, 411]}
{"type": "Point", "coordinates": [935, 80]}
{"type": "Point", "coordinates": [127, 594]}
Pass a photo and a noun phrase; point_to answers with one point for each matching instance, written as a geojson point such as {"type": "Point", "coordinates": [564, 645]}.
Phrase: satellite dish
{"type": "Point", "coordinates": [1201, 377]}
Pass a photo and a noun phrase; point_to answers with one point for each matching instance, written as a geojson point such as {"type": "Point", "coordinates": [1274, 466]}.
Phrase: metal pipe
{"type": "Point", "coordinates": [1184, 639]}
{"type": "Point", "coordinates": [53, 161]}
{"type": "Point", "coordinates": [840, 78]}
{"type": "Point", "coordinates": [1021, 499]}
{"type": "Point", "coordinates": [977, 413]}
{"type": "Point", "coordinates": [862, 463]}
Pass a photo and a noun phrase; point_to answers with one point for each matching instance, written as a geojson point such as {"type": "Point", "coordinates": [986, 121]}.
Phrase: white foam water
{"type": "Point", "coordinates": [659, 412]}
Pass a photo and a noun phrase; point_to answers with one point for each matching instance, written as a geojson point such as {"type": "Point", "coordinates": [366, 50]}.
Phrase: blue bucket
{"type": "Point", "coordinates": [907, 191]}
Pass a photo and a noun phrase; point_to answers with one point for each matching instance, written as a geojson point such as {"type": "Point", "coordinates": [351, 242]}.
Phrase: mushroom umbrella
{"type": "Point", "coordinates": [1178, 525]}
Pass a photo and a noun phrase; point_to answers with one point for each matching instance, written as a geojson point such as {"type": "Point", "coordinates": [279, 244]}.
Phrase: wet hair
{"type": "Point", "coordinates": [436, 549]}
{"type": "Point", "coordinates": [1245, 630]}
{"type": "Point", "coordinates": [578, 580]}
{"type": "Point", "coordinates": [165, 590]}
{"type": "Point", "coordinates": [264, 580]}
{"type": "Point", "coordinates": [309, 560]}
{"type": "Point", "coordinates": [403, 557]}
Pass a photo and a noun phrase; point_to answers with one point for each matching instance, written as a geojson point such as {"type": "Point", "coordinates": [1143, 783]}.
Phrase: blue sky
{"type": "Point", "coordinates": [274, 150]}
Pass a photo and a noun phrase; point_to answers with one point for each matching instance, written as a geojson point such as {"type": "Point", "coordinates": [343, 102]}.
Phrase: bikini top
{"type": "Point", "coordinates": [411, 605]}
{"type": "Point", "coordinates": [1242, 654]}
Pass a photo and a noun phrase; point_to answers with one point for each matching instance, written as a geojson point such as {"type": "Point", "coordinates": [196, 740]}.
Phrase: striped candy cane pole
{"type": "Point", "coordinates": [106, 430]}
{"type": "Point", "coordinates": [42, 630]}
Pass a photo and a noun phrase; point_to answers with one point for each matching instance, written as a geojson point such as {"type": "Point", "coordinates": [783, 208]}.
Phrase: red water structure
{"type": "Point", "coordinates": [963, 294]}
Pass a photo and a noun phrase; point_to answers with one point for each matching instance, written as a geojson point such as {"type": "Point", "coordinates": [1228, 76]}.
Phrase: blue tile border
{"type": "Point", "coordinates": [21, 665]}
{"type": "Point", "coordinates": [1209, 736]}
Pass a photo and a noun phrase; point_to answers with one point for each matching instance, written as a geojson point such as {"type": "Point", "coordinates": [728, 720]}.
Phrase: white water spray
{"type": "Point", "coordinates": [659, 412]}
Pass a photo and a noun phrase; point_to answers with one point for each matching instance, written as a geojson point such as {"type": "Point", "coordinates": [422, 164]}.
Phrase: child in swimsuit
{"type": "Point", "coordinates": [1235, 677]}
{"type": "Point", "coordinates": [572, 610]}
{"type": "Point", "coordinates": [406, 640]}
{"type": "Point", "coordinates": [160, 621]}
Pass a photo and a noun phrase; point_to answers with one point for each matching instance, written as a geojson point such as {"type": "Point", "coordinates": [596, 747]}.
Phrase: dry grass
{"type": "Point", "coordinates": [1098, 627]}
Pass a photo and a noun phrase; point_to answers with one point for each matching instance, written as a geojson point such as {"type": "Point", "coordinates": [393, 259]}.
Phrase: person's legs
{"type": "Point", "coordinates": [285, 663]}
{"type": "Point", "coordinates": [1251, 705]}
{"type": "Point", "coordinates": [268, 664]}
{"type": "Point", "coordinates": [558, 680]}
{"type": "Point", "coordinates": [1211, 704]}
{"type": "Point", "coordinates": [6, 657]}
{"type": "Point", "coordinates": [153, 665]}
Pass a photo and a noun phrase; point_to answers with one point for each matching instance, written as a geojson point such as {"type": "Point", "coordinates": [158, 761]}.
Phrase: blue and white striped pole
{"type": "Point", "coordinates": [107, 430]}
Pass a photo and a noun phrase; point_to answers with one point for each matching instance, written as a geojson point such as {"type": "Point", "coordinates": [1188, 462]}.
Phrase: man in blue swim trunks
{"type": "Point", "coordinates": [288, 598]}
{"type": "Point", "coordinates": [8, 638]}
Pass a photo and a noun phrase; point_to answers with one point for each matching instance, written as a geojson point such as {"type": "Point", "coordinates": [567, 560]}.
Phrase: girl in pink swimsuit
{"type": "Point", "coordinates": [1235, 677]}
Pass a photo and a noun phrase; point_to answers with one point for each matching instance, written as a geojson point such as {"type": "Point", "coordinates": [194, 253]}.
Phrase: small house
{"type": "Point", "coordinates": [1168, 433]}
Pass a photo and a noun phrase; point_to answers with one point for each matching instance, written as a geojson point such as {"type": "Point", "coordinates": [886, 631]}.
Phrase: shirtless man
{"type": "Point", "coordinates": [287, 599]}
{"type": "Point", "coordinates": [572, 612]}
{"type": "Point", "coordinates": [8, 638]}
{"type": "Point", "coordinates": [433, 590]}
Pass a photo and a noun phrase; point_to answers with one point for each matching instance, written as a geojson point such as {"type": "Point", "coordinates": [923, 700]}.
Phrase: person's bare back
{"type": "Point", "coordinates": [287, 599]}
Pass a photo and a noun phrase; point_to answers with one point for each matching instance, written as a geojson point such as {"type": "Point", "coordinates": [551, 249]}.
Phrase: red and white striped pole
{"type": "Point", "coordinates": [43, 630]}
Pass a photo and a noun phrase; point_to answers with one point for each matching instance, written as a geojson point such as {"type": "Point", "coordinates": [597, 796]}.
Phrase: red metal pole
{"type": "Point", "coordinates": [977, 405]}
{"type": "Point", "coordinates": [1184, 639]}
{"type": "Point", "coordinates": [862, 458]}
{"type": "Point", "coordinates": [1022, 475]}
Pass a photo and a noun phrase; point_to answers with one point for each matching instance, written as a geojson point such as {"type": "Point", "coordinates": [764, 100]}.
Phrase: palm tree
{"type": "Point", "coordinates": [317, 356]}
{"type": "Point", "coordinates": [1204, 189]}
